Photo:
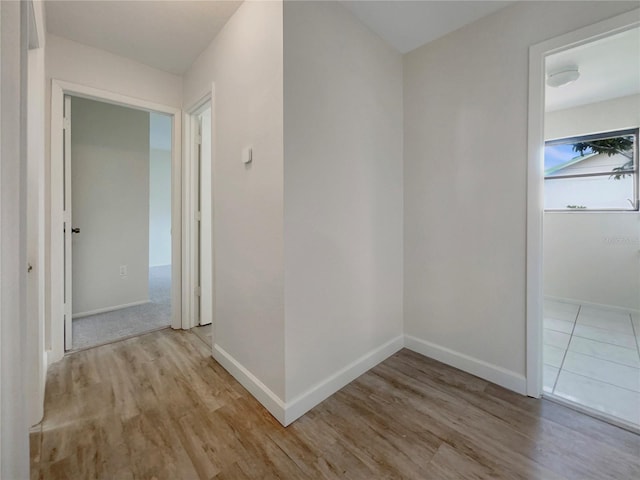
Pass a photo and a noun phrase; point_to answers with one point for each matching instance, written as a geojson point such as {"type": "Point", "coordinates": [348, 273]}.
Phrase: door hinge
{"type": "Point", "coordinates": [198, 216]}
{"type": "Point", "coordinates": [198, 291]}
{"type": "Point", "coordinates": [65, 123]}
{"type": "Point", "coordinates": [198, 139]}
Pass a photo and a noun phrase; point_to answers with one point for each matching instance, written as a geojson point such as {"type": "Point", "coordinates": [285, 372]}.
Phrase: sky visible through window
{"type": "Point", "coordinates": [594, 172]}
{"type": "Point", "coordinates": [555, 155]}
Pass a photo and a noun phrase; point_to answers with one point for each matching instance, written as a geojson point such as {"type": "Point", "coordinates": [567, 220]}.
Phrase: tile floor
{"type": "Point", "coordinates": [592, 358]}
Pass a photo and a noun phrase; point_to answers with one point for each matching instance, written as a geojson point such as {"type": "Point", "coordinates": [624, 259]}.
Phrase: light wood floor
{"type": "Point", "coordinates": [159, 407]}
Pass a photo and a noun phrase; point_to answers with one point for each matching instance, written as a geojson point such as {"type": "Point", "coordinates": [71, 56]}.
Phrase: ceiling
{"type": "Point", "coordinates": [609, 68]}
{"type": "Point", "coordinates": [168, 35]}
{"type": "Point", "coordinates": [407, 25]}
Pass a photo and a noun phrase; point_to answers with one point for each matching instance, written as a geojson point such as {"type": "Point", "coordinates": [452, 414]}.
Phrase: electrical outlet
{"type": "Point", "coordinates": [123, 271]}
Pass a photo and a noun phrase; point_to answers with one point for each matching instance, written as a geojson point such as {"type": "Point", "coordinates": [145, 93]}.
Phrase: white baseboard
{"type": "Point", "coordinates": [109, 309]}
{"type": "Point", "coordinates": [319, 392]}
{"type": "Point", "coordinates": [259, 390]}
{"type": "Point", "coordinates": [286, 413]}
{"type": "Point", "coordinates": [594, 305]}
{"type": "Point", "coordinates": [487, 371]}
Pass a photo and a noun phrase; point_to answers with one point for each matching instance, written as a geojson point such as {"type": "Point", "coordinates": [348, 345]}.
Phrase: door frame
{"type": "Point", "coordinates": [36, 293]}
{"type": "Point", "coordinates": [59, 89]}
{"type": "Point", "coordinates": [535, 178]}
{"type": "Point", "coordinates": [190, 222]}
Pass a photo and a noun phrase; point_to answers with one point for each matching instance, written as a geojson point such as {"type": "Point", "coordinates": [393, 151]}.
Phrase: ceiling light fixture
{"type": "Point", "coordinates": [563, 76]}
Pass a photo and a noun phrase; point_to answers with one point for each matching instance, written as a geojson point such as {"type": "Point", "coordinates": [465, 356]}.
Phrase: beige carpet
{"type": "Point", "coordinates": [126, 322]}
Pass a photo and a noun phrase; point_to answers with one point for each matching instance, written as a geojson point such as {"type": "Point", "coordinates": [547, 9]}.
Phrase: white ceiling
{"type": "Point", "coordinates": [609, 68]}
{"type": "Point", "coordinates": [410, 24]}
{"type": "Point", "coordinates": [168, 35]}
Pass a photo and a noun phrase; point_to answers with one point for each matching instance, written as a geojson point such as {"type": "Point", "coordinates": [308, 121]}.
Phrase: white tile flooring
{"type": "Point", "coordinates": [592, 358]}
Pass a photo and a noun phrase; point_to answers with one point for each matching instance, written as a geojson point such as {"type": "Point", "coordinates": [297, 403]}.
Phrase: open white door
{"type": "Point", "coordinates": [206, 220]}
{"type": "Point", "coordinates": [67, 230]}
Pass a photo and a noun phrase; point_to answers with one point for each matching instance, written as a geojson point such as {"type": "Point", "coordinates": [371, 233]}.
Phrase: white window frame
{"type": "Point", "coordinates": [599, 136]}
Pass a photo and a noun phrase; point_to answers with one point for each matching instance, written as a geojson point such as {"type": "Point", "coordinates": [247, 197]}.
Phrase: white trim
{"type": "Point", "coordinates": [288, 412]}
{"type": "Point", "coordinates": [304, 402]}
{"type": "Point", "coordinates": [259, 390]}
{"type": "Point", "coordinates": [58, 89]}
{"type": "Point", "coordinates": [214, 143]}
{"type": "Point", "coordinates": [55, 342]}
{"type": "Point", "coordinates": [604, 306]}
{"type": "Point", "coordinates": [36, 364]}
{"type": "Point", "coordinates": [68, 228]}
{"type": "Point", "coordinates": [199, 104]}
{"type": "Point", "coordinates": [190, 310]}
{"type": "Point", "coordinates": [487, 371]}
{"type": "Point", "coordinates": [189, 225]}
{"type": "Point", "coordinates": [110, 309]}
{"type": "Point", "coordinates": [205, 180]}
{"type": "Point", "coordinates": [2, 241]}
{"type": "Point", "coordinates": [534, 294]}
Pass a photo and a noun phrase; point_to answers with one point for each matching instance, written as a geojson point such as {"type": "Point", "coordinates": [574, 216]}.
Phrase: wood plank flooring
{"type": "Point", "coordinates": [159, 407]}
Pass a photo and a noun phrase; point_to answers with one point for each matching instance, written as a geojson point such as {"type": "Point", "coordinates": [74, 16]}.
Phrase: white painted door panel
{"type": "Point", "coordinates": [206, 220]}
{"type": "Point", "coordinates": [68, 339]}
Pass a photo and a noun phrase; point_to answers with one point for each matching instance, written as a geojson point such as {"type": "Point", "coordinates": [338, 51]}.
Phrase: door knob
{"type": "Point", "coordinates": [75, 230]}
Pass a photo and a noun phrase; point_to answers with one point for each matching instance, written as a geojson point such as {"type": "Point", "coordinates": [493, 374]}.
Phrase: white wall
{"type": "Point", "coordinates": [110, 205]}
{"type": "Point", "coordinates": [245, 63]}
{"type": "Point", "coordinates": [592, 257]}
{"type": "Point", "coordinates": [77, 63]}
{"type": "Point", "coordinates": [617, 114]}
{"type": "Point", "coordinates": [159, 189]}
{"type": "Point", "coordinates": [14, 442]}
{"type": "Point", "coordinates": [343, 198]}
{"type": "Point", "coordinates": [465, 100]}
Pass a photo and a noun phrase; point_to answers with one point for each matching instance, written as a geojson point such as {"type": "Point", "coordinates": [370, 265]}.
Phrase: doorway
{"type": "Point", "coordinates": [59, 328]}
{"type": "Point", "coordinates": [584, 274]}
{"type": "Point", "coordinates": [592, 225]}
{"type": "Point", "coordinates": [117, 231]}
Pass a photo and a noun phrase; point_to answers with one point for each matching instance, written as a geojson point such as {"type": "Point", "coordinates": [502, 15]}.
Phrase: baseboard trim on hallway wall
{"type": "Point", "coordinates": [259, 390]}
{"type": "Point", "coordinates": [301, 404]}
{"type": "Point", "coordinates": [110, 309]}
{"type": "Point", "coordinates": [286, 413]}
{"type": "Point", "coordinates": [487, 371]}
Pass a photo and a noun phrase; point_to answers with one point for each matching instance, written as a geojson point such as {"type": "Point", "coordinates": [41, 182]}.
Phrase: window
{"type": "Point", "coordinates": [594, 172]}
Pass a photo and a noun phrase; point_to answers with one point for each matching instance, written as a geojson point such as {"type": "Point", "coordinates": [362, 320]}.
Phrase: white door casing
{"type": "Point", "coordinates": [206, 220]}
{"type": "Point", "coordinates": [67, 228]}
{"type": "Point", "coordinates": [198, 170]}
{"type": "Point", "coordinates": [535, 177]}
{"type": "Point", "coordinates": [56, 338]}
